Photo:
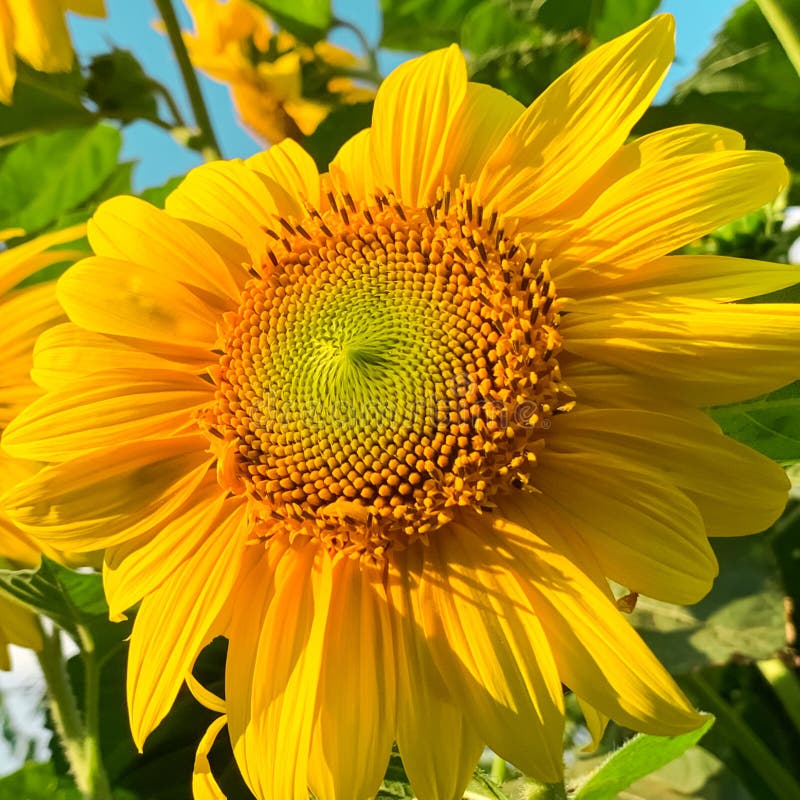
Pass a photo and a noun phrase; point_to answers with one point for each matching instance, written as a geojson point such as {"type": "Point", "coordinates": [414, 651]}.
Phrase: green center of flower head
{"type": "Point", "coordinates": [386, 365]}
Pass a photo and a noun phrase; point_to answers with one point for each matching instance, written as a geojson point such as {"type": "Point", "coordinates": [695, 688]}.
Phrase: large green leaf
{"type": "Point", "coordinates": [308, 20]}
{"type": "Point", "coordinates": [71, 599]}
{"type": "Point", "coordinates": [418, 25]}
{"type": "Point", "coordinates": [601, 19]}
{"type": "Point", "coordinates": [769, 424]}
{"type": "Point", "coordinates": [743, 613]}
{"type": "Point", "coordinates": [636, 758]}
{"type": "Point", "coordinates": [745, 82]}
{"type": "Point", "coordinates": [51, 173]}
{"type": "Point", "coordinates": [43, 102]}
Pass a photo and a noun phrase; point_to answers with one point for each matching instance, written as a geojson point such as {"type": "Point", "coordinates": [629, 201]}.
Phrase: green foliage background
{"type": "Point", "coordinates": [735, 653]}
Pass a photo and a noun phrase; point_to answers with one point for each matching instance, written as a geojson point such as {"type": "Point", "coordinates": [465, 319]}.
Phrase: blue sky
{"type": "Point", "coordinates": [130, 26]}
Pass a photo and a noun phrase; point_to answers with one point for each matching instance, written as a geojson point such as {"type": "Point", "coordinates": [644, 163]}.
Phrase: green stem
{"type": "Point", "coordinates": [783, 27]}
{"type": "Point", "coordinates": [79, 736]}
{"type": "Point", "coordinates": [63, 707]}
{"type": "Point", "coordinates": [99, 785]}
{"type": "Point", "coordinates": [210, 148]}
{"type": "Point", "coordinates": [372, 73]}
{"type": "Point", "coordinates": [739, 736]}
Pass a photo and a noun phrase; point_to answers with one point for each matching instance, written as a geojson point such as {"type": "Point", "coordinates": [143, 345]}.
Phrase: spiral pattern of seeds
{"type": "Point", "coordinates": [385, 366]}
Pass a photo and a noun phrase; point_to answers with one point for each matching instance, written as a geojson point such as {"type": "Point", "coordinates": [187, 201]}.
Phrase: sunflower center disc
{"type": "Point", "coordinates": [388, 365]}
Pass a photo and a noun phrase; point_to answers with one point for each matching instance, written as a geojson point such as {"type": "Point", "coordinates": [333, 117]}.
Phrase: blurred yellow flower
{"type": "Point", "coordinates": [390, 429]}
{"type": "Point", "coordinates": [235, 42]}
{"type": "Point", "coordinates": [36, 31]}
{"type": "Point", "coordinates": [25, 312]}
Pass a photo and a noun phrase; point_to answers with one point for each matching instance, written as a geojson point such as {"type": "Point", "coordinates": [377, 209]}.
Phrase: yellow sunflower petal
{"type": "Point", "coordinates": [356, 689]}
{"type": "Point", "coordinates": [40, 34]}
{"type": "Point", "coordinates": [173, 621]}
{"type": "Point", "coordinates": [19, 625]}
{"type": "Point", "coordinates": [139, 566]}
{"type": "Point", "coordinates": [26, 313]}
{"type": "Point", "coordinates": [291, 176]}
{"type": "Point", "coordinates": [423, 701]}
{"type": "Point", "coordinates": [680, 140]}
{"type": "Point", "coordinates": [482, 120]}
{"type": "Point", "coordinates": [106, 497]}
{"type": "Point", "coordinates": [204, 696]}
{"type": "Point", "coordinates": [605, 386]}
{"type": "Point", "coordinates": [121, 403]}
{"type": "Point", "coordinates": [129, 229]}
{"type": "Point", "coordinates": [204, 785]}
{"type": "Point", "coordinates": [230, 198]}
{"type": "Point", "coordinates": [16, 546]}
{"type": "Point", "coordinates": [577, 123]}
{"type": "Point", "coordinates": [596, 724]}
{"type": "Point", "coordinates": [598, 653]}
{"type": "Point", "coordinates": [124, 299]}
{"type": "Point", "coordinates": [709, 353]}
{"type": "Point", "coordinates": [719, 278]}
{"type": "Point", "coordinates": [274, 661]}
{"type": "Point", "coordinates": [489, 646]}
{"type": "Point", "coordinates": [67, 353]}
{"type": "Point", "coordinates": [693, 195]}
{"type": "Point", "coordinates": [18, 263]}
{"type": "Point", "coordinates": [737, 490]}
{"type": "Point", "coordinates": [414, 110]}
{"type": "Point", "coordinates": [649, 538]}
{"type": "Point", "coordinates": [8, 61]}
{"type": "Point", "coordinates": [352, 170]}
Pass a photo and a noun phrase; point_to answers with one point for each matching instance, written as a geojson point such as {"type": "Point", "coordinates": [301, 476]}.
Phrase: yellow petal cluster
{"type": "Point", "coordinates": [26, 312]}
{"type": "Point", "coordinates": [36, 31]}
{"type": "Point", "coordinates": [236, 43]}
{"type": "Point", "coordinates": [390, 429]}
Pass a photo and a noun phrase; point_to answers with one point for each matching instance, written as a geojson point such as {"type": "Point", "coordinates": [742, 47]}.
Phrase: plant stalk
{"type": "Point", "coordinates": [210, 148]}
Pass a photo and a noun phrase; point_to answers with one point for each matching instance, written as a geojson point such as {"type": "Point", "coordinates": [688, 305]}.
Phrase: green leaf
{"type": "Point", "coordinates": [745, 82]}
{"type": "Point", "coordinates": [157, 195]}
{"type": "Point", "coordinates": [52, 173]}
{"type": "Point", "coordinates": [38, 782]}
{"type": "Point", "coordinates": [120, 87]}
{"type": "Point", "coordinates": [119, 182]}
{"type": "Point", "coordinates": [600, 19]}
{"type": "Point", "coordinates": [342, 123]}
{"type": "Point", "coordinates": [71, 599]}
{"type": "Point", "coordinates": [769, 424]}
{"type": "Point", "coordinates": [418, 25]}
{"type": "Point", "coordinates": [636, 758]}
{"type": "Point", "coordinates": [742, 614]}
{"type": "Point", "coordinates": [308, 20]}
{"type": "Point", "coordinates": [43, 102]}
{"type": "Point", "coordinates": [613, 18]}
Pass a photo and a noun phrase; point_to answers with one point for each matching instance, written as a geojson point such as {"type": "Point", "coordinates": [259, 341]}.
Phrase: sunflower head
{"type": "Point", "coordinates": [323, 416]}
{"type": "Point", "coordinates": [386, 365]}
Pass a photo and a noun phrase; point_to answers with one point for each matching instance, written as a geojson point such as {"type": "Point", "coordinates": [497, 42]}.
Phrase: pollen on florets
{"type": "Point", "coordinates": [386, 365]}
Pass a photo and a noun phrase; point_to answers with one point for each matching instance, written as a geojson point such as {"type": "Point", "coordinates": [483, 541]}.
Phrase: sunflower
{"type": "Point", "coordinates": [235, 42]}
{"type": "Point", "coordinates": [26, 313]}
{"type": "Point", "coordinates": [390, 429]}
{"type": "Point", "coordinates": [36, 31]}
